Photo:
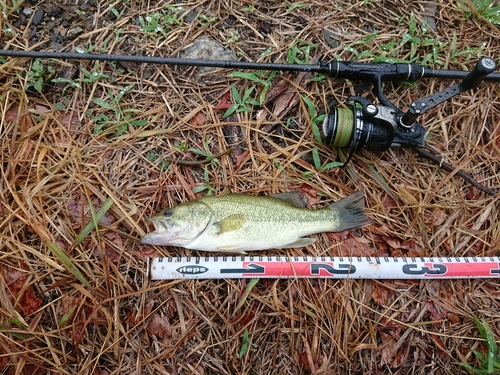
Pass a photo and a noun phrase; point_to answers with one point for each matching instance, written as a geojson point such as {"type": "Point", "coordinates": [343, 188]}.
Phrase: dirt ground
{"type": "Point", "coordinates": [88, 143]}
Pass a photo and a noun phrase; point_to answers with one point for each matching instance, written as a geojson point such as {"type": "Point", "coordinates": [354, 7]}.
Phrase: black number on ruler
{"type": "Point", "coordinates": [412, 269]}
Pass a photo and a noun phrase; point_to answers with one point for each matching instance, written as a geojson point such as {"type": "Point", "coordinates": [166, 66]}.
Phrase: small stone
{"type": "Point", "coordinates": [56, 46]}
{"type": "Point", "coordinates": [331, 38]}
{"type": "Point", "coordinates": [190, 16]}
{"type": "Point", "coordinates": [67, 16]}
{"type": "Point", "coordinates": [231, 20]}
{"type": "Point", "coordinates": [37, 17]}
{"type": "Point", "coordinates": [76, 31]}
{"type": "Point", "coordinates": [53, 11]}
{"type": "Point", "coordinates": [265, 27]}
{"type": "Point", "coordinates": [207, 49]}
{"type": "Point", "coordinates": [28, 11]}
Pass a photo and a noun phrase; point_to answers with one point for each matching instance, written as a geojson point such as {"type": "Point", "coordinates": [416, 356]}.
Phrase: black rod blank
{"type": "Point", "coordinates": [340, 69]}
{"type": "Point", "coordinates": [162, 60]}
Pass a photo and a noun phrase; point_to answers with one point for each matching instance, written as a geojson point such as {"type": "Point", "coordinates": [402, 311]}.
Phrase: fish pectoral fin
{"type": "Point", "coordinates": [301, 242]}
{"type": "Point", "coordinates": [234, 249]}
{"type": "Point", "coordinates": [294, 198]}
{"type": "Point", "coordinates": [230, 223]}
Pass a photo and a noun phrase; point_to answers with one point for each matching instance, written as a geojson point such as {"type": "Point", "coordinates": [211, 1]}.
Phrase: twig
{"type": "Point", "coordinates": [450, 168]}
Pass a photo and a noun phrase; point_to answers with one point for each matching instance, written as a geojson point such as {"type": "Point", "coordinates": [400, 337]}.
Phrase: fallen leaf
{"type": "Point", "coordinates": [148, 252]}
{"type": "Point", "coordinates": [352, 246]}
{"type": "Point", "coordinates": [21, 295]}
{"type": "Point", "coordinates": [108, 156]}
{"type": "Point", "coordinates": [70, 120]}
{"type": "Point", "coordinates": [438, 217]}
{"type": "Point", "coordinates": [441, 348]}
{"type": "Point", "coordinates": [389, 348]}
{"type": "Point", "coordinates": [224, 103]}
{"type": "Point", "coordinates": [198, 120]}
{"type": "Point", "coordinates": [243, 319]}
{"type": "Point", "coordinates": [26, 122]}
{"type": "Point", "coordinates": [76, 210]}
{"type": "Point", "coordinates": [310, 195]}
{"type": "Point", "coordinates": [413, 250]}
{"type": "Point", "coordinates": [310, 360]}
{"type": "Point", "coordinates": [400, 356]}
{"type": "Point", "coordinates": [110, 252]}
{"type": "Point", "coordinates": [436, 312]}
{"type": "Point", "coordinates": [396, 252]}
{"type": "Point", "coordinates": [4, 359]}
{"type": "Point", "coordinates": [42, 110]}
{"type": "Point", "coordinates": [304, 360]}
{"type": "Point", "coordinates": [136, 317]}
{"type": "Point", "coordinates": [389, 202]}
{"type": "Point", "coordinates": [380, 295]}
{"type": "Point", "coordinates": [126, 64]}
{"type": "Point", "coordinates": [289, 96]}
{"type": "Point", "coordinates": [261, 115]}
{"type": "Point", "coordinates": [279, 87]}
{"type": "Point", "coordinates": [68, 302]}
{"type": "Point", "coordinates": [289, 100]}
{"type": "Point", "coordinates": [393, 242]}
{"type": "Point", "coordinates": [454, 318]}
{"type": "Point", "coordinates": [240, 158]}
{"type": "Point", "coordinates": [78, 334]}
{"type": "Point", "coordinates": [12, 113]}
{"type": "Point", "coordinates": [160, 327]}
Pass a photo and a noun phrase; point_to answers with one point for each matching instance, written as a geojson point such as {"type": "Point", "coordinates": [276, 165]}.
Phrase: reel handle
{"type": "Point", "coordinates": [484, 66]}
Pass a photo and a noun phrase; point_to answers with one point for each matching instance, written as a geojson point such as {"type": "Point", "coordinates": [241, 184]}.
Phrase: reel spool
{"type": "Point", "coordinates": [352, 128]}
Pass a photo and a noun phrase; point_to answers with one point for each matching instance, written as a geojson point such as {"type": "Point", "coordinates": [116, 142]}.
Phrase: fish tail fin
{"type": "Point", "coordinates": [350, 212]}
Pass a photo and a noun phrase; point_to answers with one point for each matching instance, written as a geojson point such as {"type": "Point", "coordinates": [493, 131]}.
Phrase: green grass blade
{"type": "Point", "coordinates": [246, 343]}
{"type": "Point", "coordinates": [95, 220]}
{"type": "Point", "coordinates": [67, 263]}
{"type": "Point", "coordinates": [64, 319]}
{"type": "Point", "coordinates": [246, 293]}
{"type": "Point", "coordinates": [380, 180]}
{"type": "Point", "coordinates": [14, 334]}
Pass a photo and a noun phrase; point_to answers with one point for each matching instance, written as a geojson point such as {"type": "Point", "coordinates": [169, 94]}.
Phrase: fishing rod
{"type": "Point", "coordinates": [359, 125]}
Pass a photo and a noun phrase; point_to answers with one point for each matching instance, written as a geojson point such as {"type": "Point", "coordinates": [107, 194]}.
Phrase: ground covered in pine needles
{"type": "Point", "coordinates": [90, 149]}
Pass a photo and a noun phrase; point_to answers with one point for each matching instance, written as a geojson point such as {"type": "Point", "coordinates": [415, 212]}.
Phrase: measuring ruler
{"type": "Point", "coordinates": [238, 267]}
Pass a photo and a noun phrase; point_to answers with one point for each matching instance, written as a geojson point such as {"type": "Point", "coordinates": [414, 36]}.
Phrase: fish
{"type": "Point", "coordinates": [237, 223]}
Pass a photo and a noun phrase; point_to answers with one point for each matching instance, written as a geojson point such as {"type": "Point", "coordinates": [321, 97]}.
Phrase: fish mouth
{"type": "Point", "coordinates": [157, 230]}
{"type": "Point", "coordinates": [153, 225]}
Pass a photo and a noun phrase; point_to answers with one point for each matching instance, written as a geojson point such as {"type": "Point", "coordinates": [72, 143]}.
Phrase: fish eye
{"type": "Point", "coordinates": [168, 212]}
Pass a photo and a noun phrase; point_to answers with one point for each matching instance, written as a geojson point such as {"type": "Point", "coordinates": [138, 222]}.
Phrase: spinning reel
{"type": "Point", "coordinates": [365, 125]}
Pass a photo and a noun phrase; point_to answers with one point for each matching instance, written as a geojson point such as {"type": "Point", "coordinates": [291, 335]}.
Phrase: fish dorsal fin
{"type": "Point", "coordinates": [294, 198]}
{"type": "Point", "coordinates": [301, 242]}
{"type": "Point", "coordinates": [230, 223]}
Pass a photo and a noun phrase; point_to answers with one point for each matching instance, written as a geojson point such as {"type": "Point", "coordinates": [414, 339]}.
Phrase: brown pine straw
{"type": "Point", "coordinates": [57, 172]}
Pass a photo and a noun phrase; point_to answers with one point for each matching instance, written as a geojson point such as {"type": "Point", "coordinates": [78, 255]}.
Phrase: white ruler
{"type": "Point", "coordinates": [237, 267]}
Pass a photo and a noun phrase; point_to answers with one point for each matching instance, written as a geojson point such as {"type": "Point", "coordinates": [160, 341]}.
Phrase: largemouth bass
{"type": "Point", "coordinates": [236, 223]}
